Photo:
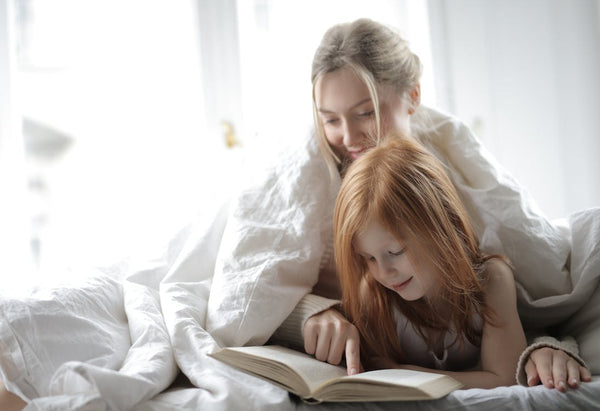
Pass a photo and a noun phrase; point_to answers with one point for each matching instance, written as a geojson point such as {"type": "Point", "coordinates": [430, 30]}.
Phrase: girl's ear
{"type": "Point", "coordinates": [415, 98]}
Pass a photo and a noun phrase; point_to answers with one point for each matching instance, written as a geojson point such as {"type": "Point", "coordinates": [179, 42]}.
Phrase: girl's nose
{"type": "Point", "coordinates": [385, 267]}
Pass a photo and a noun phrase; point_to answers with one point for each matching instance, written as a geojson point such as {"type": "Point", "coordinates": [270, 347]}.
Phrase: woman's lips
{"type": "Point", "coordinates": [356, 153]}
{"type": "Point", "coordinates": [402, 286]}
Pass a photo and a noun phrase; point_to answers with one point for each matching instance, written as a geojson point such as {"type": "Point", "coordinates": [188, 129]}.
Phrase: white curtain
{"type": "Point", "coordinates": [15, 255]}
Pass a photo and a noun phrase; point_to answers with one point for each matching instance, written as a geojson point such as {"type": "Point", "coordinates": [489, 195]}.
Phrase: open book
{"type": "Point", "coordinates": [317, 381]}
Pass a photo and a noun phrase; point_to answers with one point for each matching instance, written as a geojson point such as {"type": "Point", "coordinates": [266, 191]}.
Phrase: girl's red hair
{"type": "Point", "coordinates": [406, 189]}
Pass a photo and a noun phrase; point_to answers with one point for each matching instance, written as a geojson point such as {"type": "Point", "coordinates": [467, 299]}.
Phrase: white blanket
{"type": "Point", "coordinates": [231, 276]}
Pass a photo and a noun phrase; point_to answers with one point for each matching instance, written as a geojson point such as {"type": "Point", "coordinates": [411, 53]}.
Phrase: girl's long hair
{"type": "Point", "coordinates": [405, 188]}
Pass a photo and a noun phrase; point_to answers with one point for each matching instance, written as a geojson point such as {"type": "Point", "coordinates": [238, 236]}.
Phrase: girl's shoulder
{"type": "Point", "coordinates": [499, 282]}
{"type": "Point", "coordinates": [498, 265]}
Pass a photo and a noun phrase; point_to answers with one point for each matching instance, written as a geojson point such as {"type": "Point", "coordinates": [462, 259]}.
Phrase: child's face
{"type": "Point", "coordinates": [389, 262]}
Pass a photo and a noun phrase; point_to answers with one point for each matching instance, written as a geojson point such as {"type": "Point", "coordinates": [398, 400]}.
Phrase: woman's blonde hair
{"type": "Point", "coordinates": [377, 54]}
{"type": "Point", "coordinates": [405, 188]}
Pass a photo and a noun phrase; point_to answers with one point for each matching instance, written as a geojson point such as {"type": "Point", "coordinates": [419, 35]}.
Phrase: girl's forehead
{"type": "Point", "coordinates": [373, 233]}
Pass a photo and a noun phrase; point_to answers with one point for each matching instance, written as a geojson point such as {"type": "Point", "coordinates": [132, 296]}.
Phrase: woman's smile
{"type": "Point", "coordinates": [357, 153]}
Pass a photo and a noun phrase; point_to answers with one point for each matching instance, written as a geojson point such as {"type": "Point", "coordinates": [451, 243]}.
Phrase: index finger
{"type": "Point", "coordinates": [353, 355]}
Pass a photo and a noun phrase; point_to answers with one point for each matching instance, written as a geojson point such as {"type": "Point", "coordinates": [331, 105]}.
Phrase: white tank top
{"type": "Point", "coordinates": [453, 357]}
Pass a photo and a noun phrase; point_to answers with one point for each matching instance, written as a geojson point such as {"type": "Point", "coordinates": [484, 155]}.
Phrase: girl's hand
{"type": "Point", "coordinates": [329, 335]}
{"type": "Point", "coordinates": [555, 369]}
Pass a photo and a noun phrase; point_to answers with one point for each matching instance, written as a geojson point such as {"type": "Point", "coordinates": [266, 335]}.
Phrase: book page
{"type": "Point", "coordinates": [407, 378]}
{"type": "Point", "coordinates": [388, 384]}
{"type": "Point", "coordinates": [310, 378]}
{"type": "Point", "coordinates": [313, 372]}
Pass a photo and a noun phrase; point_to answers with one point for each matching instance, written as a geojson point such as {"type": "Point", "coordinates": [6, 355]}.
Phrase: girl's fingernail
{"type": "Point", "coordinates": [352, 371]}
{"type": "Point", "coordinates": [550, 382]}
{"type": "Point", "coordinates": [574, 381]}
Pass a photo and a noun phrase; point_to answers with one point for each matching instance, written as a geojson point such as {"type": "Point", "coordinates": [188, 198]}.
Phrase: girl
{"type": "Point", "coordinates": [413, 279]}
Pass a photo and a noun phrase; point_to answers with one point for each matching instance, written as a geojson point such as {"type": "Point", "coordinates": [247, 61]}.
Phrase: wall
{"type": "Point", "coordinates": [524, 75]}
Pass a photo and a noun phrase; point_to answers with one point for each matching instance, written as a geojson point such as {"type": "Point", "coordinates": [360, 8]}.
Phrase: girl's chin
{"type": "Point", "coordinates": [408, 298]}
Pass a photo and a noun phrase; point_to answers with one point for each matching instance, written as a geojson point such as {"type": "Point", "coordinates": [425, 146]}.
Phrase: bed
{"type": "Point", "coordinates": [118, 355]}
{"type": "Point", "coordinates": [135, 335]}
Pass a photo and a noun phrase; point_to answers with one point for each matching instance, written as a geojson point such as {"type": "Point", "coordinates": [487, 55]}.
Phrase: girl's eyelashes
{"type": "Point", "coordinates": [367, 113]}
{"type": "Point", "coordinates": [371, 259]}
{"type": "Point", "coordinates": [368, 258]}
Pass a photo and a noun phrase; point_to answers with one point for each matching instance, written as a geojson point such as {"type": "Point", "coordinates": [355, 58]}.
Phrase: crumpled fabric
{"type": "Point", "coordinates": [100, 345]}
{"type": "Point", "coordinates": [235, 273]}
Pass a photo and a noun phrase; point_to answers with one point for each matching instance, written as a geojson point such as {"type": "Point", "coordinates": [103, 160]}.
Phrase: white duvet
{"type": "Point", "coordinates": [117, 341]}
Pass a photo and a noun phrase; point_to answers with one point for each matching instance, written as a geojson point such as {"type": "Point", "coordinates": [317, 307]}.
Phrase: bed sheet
{"type": "Point", "coordinates": [587, 397]}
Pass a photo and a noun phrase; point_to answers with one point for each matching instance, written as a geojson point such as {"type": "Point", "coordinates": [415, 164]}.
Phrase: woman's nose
{"type": "Point", "coordinates": [353, 135]}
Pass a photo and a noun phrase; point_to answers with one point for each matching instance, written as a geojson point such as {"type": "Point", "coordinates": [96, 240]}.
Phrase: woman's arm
{"type": "Point", "coordinates": [10, 401]}
{"type": "Point", "coordinates": [322, 331]}
{"type": "Point", "coordinates": [553, 363]}
{"type": "Point", "coordinates": [290, 332]}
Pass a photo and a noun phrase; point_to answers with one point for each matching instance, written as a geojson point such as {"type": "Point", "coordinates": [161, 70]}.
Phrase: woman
{"type": "Point", "coordinates": [365, 84]}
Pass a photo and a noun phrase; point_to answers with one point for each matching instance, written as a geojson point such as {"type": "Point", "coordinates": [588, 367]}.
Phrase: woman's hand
{"type": "Point", "coordinates": [329, 335]}
{"type": "Point", "coordinates": [555, 369]}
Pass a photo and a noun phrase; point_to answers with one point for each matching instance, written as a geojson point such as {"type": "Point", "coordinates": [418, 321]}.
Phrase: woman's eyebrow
{"type": "Point", "coordinates": [360, 103]}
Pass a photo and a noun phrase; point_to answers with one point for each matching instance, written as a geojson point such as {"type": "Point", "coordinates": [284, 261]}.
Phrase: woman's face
{"type": "Point", "coordinates": [347, 114]}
